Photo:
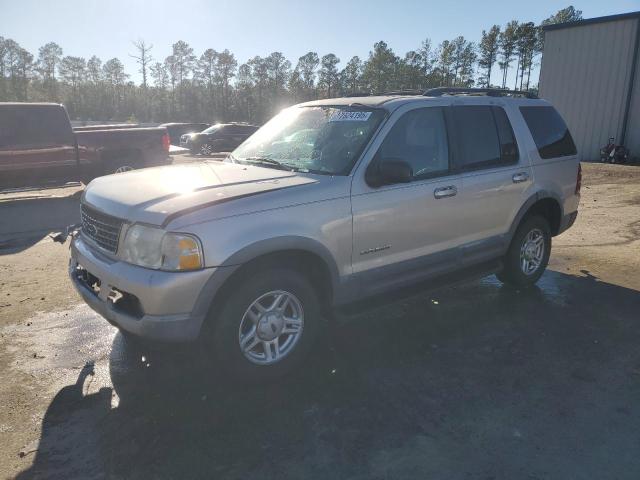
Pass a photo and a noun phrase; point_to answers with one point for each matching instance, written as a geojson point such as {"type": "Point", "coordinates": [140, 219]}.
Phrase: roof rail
{"type": "Point", "coordinates": [490, 92]}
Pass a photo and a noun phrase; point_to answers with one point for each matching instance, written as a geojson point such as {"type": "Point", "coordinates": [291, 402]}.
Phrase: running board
{"type": "Point", "coordinates": [463, 276]}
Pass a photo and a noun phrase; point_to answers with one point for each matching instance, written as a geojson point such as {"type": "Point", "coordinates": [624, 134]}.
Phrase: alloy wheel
{"type": "Point", "coordinates": [532, 251]}
{"type": "Point", "coordinates": [206, 149]}
{"type": "Point", "coordinates": [271, 327]}
{"type": "Point", "coordinates": [123, 168]}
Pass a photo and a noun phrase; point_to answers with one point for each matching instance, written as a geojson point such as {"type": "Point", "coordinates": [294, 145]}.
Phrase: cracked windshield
{"type": "Point", "coordinates": [324, 140]}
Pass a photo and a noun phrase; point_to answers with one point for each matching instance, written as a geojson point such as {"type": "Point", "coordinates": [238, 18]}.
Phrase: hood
{"type": "Point", "coordinates": [159, 195]}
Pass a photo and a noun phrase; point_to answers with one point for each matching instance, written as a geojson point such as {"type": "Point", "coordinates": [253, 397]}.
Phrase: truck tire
{"type": "Point", "coordinates": [121, 163]}
{"type": "Point", "coordinates": [528, 254]}
{"type": "Point", "coordinates": [266, 327]}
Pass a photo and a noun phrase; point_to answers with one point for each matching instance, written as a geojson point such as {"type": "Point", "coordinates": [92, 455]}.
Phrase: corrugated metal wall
{"type": "Point", "coordinates": [632, 141]}
{"type": "Point", "coordinates": [585, 73]}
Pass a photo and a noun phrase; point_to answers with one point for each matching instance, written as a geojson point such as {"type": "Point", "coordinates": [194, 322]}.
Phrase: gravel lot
{"type": "Point", "coordinates": [473, 382]}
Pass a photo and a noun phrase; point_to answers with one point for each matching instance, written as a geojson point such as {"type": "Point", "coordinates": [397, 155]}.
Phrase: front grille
{"type": "Point", "coordinates": [103, 229]}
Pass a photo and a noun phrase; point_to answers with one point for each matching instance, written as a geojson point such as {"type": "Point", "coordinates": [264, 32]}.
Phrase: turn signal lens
{"type": "Point", "coordinates": [189, 254]}
{"type": "Point", "coordinates": [181, 252]}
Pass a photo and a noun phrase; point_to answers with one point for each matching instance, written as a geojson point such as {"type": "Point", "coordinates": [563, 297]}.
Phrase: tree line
{"type": "Point", "coordinates": [213, 87]}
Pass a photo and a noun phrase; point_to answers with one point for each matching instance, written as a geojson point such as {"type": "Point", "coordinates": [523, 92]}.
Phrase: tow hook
{"type": "Point", "coordinates": [61, 237]}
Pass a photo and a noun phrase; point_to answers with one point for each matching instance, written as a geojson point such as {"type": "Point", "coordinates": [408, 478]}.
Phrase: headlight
{"type": "Point", "coordinates": [154, 248]}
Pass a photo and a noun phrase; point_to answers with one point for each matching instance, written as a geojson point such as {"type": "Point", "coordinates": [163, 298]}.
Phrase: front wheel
{"type": "Point", "coordinates": [267, 325]}
{"type": "Point", "coordinates": [206, 149]}
{"type": "Point", "coordinates": [528, 254]}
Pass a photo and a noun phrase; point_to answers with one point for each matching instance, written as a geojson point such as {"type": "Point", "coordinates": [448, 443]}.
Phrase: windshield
{"type": "Point", "coordinates": [213, 128]}
{"type": "Point", "coordinates": [322, 139]}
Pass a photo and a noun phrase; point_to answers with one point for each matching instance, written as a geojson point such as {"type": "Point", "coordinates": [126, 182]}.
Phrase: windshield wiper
{"type": "Point", "coordinates": [275, 163]}
{"type": "Point", "coordinates": [268, 161]}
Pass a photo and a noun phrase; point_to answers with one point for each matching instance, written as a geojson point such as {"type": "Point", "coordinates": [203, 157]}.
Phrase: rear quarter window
{"type": "Point", "coordinates": [549, 132]}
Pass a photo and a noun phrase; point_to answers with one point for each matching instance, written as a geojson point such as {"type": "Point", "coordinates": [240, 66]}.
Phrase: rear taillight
{"type": "Point", "coordinates": [579, 179]}
{"type": "Point", "coordinates": [166, 141]}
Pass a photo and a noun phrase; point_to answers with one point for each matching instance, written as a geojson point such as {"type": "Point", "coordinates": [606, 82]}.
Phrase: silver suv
{"type": "Point", "coordinates": [330, 203]}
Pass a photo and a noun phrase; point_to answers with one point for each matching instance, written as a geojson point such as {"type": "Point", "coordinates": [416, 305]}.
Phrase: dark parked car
{"type": "Point", "coordinates": [222, 137]}
{"type": "Point", "coordinates": [37, 145]}
{"type": "Point", "coordinates": [177, 130]}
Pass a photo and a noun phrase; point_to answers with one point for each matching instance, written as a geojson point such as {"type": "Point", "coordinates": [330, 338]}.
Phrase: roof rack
{"type": "Point", "coordinates": [404, 92]}
{"type": "Point", "coordinates": [490, 92]}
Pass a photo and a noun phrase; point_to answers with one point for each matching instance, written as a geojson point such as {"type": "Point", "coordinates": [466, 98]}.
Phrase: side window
{"type": "Point", "coordinates": [47, 126]}
{"type": "Point", "coordinates": [508, 144]}
{"type": "Point", "coordinates": [419, 138]}
{"type": "Point", "coordinates": [10, 127]}
{"type": "Point", "coordinates": [233, 129]}
{"type": "Point", "coordinates": [549, 132]}
{"type": "Point", "coordinates": [35, 126]}
{"type": "Point", "coordinates": [476, 137]}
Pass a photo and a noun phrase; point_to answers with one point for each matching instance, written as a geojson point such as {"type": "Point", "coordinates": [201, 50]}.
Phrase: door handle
{"type": "Point", "coordinates": [443, 192]}
{"type": "Point", "coordinates": [520, 177]}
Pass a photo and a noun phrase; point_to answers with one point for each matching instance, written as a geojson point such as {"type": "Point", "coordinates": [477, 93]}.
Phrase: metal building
{"type": "Point", "coordinates": [589, 73]}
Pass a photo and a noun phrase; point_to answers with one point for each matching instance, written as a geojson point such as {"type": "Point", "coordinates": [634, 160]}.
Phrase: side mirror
{"type": "Point", "coordinates": [389, 171]}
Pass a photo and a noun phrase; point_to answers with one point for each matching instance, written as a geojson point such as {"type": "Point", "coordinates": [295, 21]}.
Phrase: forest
{"type": "Point", "coordinates": [211, 86]}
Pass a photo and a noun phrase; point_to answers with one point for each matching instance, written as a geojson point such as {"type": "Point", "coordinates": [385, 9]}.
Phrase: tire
{"type": "Point", "coordinates": [524, 253]}
{"type": "Point", "coordinates": [121, 163]}
{"type": "Point", "coordinates": [239, 316]}
{"type": "Point", "coordinates": [123, 168]}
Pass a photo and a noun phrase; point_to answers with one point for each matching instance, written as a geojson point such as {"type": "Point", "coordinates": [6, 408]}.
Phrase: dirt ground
{"type": "Point", "coordinates": [473, 382]}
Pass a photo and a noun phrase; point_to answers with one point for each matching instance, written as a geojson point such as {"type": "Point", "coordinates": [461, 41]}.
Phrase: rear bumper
{"type": "Point", "coordinates": [164, 306]}
{"type": "Point", "coordinates": [567, 221]}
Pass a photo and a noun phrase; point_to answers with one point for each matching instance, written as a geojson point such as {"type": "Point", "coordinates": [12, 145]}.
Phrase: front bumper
{"type": "Point", "coordinates": [166, 306]}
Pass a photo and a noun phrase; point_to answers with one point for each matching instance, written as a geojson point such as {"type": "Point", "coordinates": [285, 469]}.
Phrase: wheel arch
{"type": "Point", "coordinates": [110, 158]}
{"type": "Point", "coordinates": [544, 203]}
{"type": "Point", "coordinates": [305, 255]}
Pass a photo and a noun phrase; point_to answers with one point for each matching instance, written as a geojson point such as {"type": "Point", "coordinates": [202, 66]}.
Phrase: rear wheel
{"type": "Point", "coordinates": [528, 254]}
{"type": "Point", "coordinates": [267, 325]}
{"type": "Point", "coordinates": [121, 162]}
{"type": "Point", "coordinates": [123, 168]}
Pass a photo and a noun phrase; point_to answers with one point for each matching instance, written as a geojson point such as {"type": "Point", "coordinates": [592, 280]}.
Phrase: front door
{"type": "Point", "coordinates": [406, 232]}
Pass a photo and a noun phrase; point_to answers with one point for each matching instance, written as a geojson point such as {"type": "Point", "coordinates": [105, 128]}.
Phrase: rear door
{"type": "Point", "coordinates": [36, 144]}
{"type": "Point", "coordinates": [495, 178]}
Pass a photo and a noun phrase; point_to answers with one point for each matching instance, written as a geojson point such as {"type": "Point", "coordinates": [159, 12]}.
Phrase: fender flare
{"type": "Point", "coordinates": [288, 242]}
{"type": "Point", "coordinates": [536, 197]}
{"type": "Point", "coordinates": [255, 250]}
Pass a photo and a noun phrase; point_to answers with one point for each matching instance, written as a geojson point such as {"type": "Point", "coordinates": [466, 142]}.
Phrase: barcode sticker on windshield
{"type": "Point", "coordinates": [343, 116]}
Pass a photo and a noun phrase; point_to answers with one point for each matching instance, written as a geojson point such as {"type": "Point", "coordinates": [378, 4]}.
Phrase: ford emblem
{"type": "Point", "coordinates": [91, 229]}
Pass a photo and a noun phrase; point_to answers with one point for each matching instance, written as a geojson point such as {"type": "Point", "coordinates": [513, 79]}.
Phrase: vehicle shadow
{"type": "Point", "coordinates": [26, 220]}
{"type": "Point", "coordinates": [478, 381]}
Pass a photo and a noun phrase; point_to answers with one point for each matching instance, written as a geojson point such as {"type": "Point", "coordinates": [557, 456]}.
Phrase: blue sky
{"type": "Point", "coordinates": [252, 27]}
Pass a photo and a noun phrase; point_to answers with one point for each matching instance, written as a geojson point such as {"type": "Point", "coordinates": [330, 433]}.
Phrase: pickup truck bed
{"type": "Point", "coordinates": [38, 145]}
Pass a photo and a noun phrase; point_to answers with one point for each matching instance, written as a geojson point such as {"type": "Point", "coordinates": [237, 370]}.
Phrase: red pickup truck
{"type": "Point", "coordinates": [38, 145]}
